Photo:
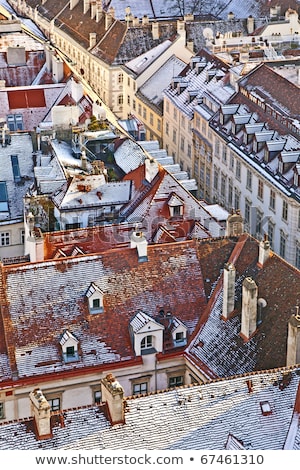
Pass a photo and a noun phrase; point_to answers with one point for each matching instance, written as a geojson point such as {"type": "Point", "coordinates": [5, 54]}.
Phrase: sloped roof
{"type": "Point", "coordinates": [59, 287]}
{"type": "Point", "coordinates": [152, 421]}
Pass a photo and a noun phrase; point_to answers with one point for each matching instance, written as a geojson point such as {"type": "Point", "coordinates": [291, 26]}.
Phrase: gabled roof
{"type": "Point", "coordinates": [234, 422]}
{"type": "Point", "coordinates": [131, 286]}
{"type": "Point", "coordinates": [141, 319]}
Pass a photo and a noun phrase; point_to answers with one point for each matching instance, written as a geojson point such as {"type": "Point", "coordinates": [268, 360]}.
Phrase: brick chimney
{"type": "Point", "coordinates": [293, 340]}
{"type": "Point", "coordinates": [249, 308]}
{"type": "Point", "coordinates": [228, 290]}
{"type": "Point", "coordinates": [264, 251]}
{"type": "Point", "coordinates": [113, 394]}
{"type": "Point", "coordinates": [138, 241]}
{"type": "Point", "coordinates": [41, 413]}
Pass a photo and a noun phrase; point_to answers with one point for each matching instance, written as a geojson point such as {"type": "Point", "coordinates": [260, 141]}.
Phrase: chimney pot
{"type": "Point", "coordinates": [293, 341]}
{"type": "Point", "coordinates": [41, 414]}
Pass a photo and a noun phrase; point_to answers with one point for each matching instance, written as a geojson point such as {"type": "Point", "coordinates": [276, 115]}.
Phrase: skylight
{"type": "Point", "coordinates": [3, 197]}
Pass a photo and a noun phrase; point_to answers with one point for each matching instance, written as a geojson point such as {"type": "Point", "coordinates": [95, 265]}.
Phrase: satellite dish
{"type": "Point", "coordinates": [208, 33]}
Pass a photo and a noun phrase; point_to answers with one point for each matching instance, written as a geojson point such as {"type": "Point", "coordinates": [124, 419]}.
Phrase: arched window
{"type": "Point", "coordinates": [147, 342]}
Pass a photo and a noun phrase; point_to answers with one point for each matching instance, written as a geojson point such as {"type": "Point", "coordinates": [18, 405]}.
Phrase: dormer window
{"type": "Point", "coordinates": [146, 333]}
{"type": "Point", "coordinates": [179, 332]}
{"type": "Point", "coordinates": [69, 344]}
{"type": "Point", "coordinates": [95, 298]}
{"type": "Point", "coordinates": [175, 204]}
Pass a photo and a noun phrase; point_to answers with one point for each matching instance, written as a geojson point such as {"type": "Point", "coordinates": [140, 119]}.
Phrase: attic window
{"type": "Point", "coordinates": [265, 408]}
{"type": "Point", "coordinates": [69, 344]}
{"type": "Point", "coordinates": [175, 204]}
{"type": "Point", "coordinates": [95, 299]}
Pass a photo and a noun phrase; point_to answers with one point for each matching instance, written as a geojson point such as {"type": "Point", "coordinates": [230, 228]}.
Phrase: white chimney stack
{"type": "Point", "coordinates": [41, 413]}
{"type": "Point", "coordinates": [249, 308]}
{"type": "Point", "coordinates": [138, 241]}
{"type": "Point", "coordinates": [112, 394]}
{"type": "Point", "coordinates": [151, 169]}
{"type": "Point", "coordinates": [293, 340]}
{"type": "Point", "coordinates": [228, 290]}
{"type": "Point", "coordinates": [264, 251]}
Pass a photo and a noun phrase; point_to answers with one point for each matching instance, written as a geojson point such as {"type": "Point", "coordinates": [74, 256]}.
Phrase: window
{"type": "Point", "coordinates": [224, 154]}
{"type": "Point", "coordinates": [4, 238]}
{"type": "Point", "coordinates": [144, 113]}
{"type": "Point", "coordinates": [231, 162]}
{"type": "Point", "coordinates": [174, 136]}
{"type": "Point", "coordinates": [128, 100]}
{"type": "Point", "coordinates": [134, 105]}
{"type": "Point", "coordinates": [175, 381]}
{"type": "Point", "coordinates": [175, 113]}
{"type": "Point", "coordinates": [223, 186]}
{"type": "Point", "coordinates": [249, 180]}
{"type": "Point", "coordinates": [139, 109]}
{"type": "Point", "coordinates": [259, 220]}
{"type": "Point", "coordinates": [146, 342]}
{"type": "Point", "coordinates": [69, 345]}
{"type": "Point", "coordinates": [247, 211]}
{"type": "Point", "coordinates": [2, 410]}
{"type": "Point", "coordinates": [15, 168]}
{"type": "Point", "coordinates": [54, 403]}
{"type": "Point", "coordinates": [3, 197]}
{"type": "Point", "coordinates": [182, 144]}
{"type": "Point", "coordinates": [97, 396]}
{"type": "Point", "coordinates": [120, 78]}
{"type": "Point", "coordinates": [284, 210]}
{"type": "Point", "coordinates": [140, 388]}
{"type": "Point", "coordinates": [167, 128]}
{"type": "Point", "coordinates": [238, 170]}
{"type": "Point", "coordinates": [120, 99]}
{"type": "Point", "coordinates": [158, 124]}
{"type": "Point", "coordinates": [22, 236]}
{"type": "Point", "coordinates": [271, 229]}
{"type": "Point", "coordinates": [282, 246]}
{"type": "Point", "coordinates": [216, 179]}
{"type": "Point", "coordinates": [260, 190]}
{"type": "Point", "coordinates": [182, 121]}
{"type": "Point", "coordinates": [189, 151]}
{"type": "Point", "coordinates": [230, 193]}
{"type": "Point", "coordinates": [237, 196]}
{"type": "Point", "coordinates": [15, 122]}
{"type": "Point", "coordinates": [272, 200]}
{"type": "Point", "coordinates": [151, 119]}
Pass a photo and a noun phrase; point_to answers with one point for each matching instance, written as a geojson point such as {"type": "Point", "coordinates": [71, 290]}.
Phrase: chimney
{"type": "Point", "coordinates": [293, 340]}
{"type": "Point", "coordinates": [112, 394]}
{"type": "Point", "coordinates": [41, 413]}
{"type": "Point", "coordinates": [138, 241]}
{"type": "Point", "coordinates": [83, 160]}
{"type": "Point", "coordinates": [151, 169]}
{"type": "Point", "coordinates": [155, 30]}
{"type": "Point", "coordinates": [181, 28]}
{"type": "Point", "coordinates": [93, 40]}
{"type": "Point", "coordinates": [57, 69]}
{"type": "Point", "coordinates": [34, 242]}
{"type": "Point", "coordinates": [109, 18]}
{"type": "Point", "coordinates": [93, 9]}
{"type": "Point", "coordinates": [234, 224]}
{"type": "Point", "coordinates": [264, 251]}
{"type": "Point", "coordinates": [86, 6]}
{"type": "Point", "coordinates": [145, 20]}
{"type": "Point", "coordinates": [250, 24]}
{"type": "Point", "coordinates": [228, 290]}
{"type": "Point", "coordinates": [249, 308]}
{"type": "Point", "coordinates": [99, 10]}
{"type": "Point", "coordinates": [73, 4]}
{"type": "Point", "coordinates": [230, 16]}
